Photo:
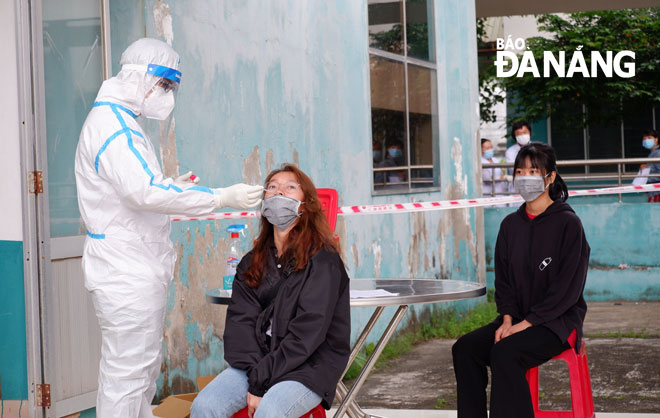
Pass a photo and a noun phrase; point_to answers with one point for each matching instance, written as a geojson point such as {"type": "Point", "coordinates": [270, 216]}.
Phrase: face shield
{"type": "Point", "coordinates": [161, 86]}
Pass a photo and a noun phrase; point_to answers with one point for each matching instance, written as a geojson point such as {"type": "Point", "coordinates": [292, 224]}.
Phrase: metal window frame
{"type": "Point", "coordinates": [405, 60]}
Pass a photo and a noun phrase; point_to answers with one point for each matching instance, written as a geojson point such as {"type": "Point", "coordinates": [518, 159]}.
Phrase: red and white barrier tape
{"type": "Point", "coordinates": [428, 206]}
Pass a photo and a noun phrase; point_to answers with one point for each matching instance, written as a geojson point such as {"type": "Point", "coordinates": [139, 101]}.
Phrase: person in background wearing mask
{"type": "Point", "coordinates": [650, 142]}
{"type": "Point", "coordinates": [287, 332]}
{"type": "Point", "coordinates": [377, 155]}
{"type": "Point", "coordinates": [393, 158]}
{"type": "Point", "coordinates": [490, 174]}
{"type": "Point", "coordinates": [125, 202]}
{"type": "Point", "coordinates": [541, 260]}
{"type": "Point", "coordinates": [522, 133]}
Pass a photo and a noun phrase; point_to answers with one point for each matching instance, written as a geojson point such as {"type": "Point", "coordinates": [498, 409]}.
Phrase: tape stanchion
{"type": "Point", "coordinates": [430, 206]}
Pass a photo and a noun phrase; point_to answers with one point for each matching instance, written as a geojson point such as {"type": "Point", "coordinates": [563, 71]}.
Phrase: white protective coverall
{"type": "Point", "coordinates": [128, 259]}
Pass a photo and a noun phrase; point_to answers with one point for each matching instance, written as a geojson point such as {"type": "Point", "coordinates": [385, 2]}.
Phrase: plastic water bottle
{"type": "Point", "coordinates": [234, 255]}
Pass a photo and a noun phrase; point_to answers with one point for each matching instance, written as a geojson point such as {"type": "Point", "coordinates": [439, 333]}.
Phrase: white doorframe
{"type": "Point", "coordinates": [30, 90]}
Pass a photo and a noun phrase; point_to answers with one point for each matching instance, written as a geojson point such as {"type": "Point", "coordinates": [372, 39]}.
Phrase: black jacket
{"type": "Point", "coordinates": [541, 269]}
{"type": "Point", "coordinates": [311, 324]}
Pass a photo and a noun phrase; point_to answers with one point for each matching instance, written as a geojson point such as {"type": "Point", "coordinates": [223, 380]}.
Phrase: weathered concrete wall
{"type": "Point", "coordinates": [624, 240]}
{"type": "Point", "coordinates": [287, 81]}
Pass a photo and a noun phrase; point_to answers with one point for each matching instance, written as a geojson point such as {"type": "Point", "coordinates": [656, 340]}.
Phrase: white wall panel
{"type": "Point", "coordinates": [10, 172]}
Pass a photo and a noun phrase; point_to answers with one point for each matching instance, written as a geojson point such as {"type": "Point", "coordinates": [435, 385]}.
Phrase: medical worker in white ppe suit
{"type": "Point", "coordinates": [125, 200]}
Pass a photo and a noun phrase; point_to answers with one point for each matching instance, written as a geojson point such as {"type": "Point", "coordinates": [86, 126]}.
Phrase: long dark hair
{"type": "Point", "coordinates": [542, 157]}
{"type": "Point", "coordinates": [310, 233]}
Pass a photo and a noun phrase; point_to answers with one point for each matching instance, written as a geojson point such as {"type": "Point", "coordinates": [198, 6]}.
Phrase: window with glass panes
{"type": "Point", "coordinates": [621, 137]}
{"type": "Point", "coordinates": [404, 122]}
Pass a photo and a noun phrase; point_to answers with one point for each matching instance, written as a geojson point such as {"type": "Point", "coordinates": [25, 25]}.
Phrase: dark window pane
{"type": "Point", "coordinates": [567, 135]}
{"type": "Point", "coordinates": [419, 29]}
{"type": "Point", "coordinates": [388, 123]}
{"type": "Point", "coordinates": [604, 142]}
{"type": "Point", "coordinates": [385, 23]}
{"type": "Point", "coordinates": [423, 124]}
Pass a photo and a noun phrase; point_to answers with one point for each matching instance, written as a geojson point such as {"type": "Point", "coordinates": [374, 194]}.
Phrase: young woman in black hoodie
{"type": "Point", "coordinates": [288, 327]}
{"type": "Point", "coordinates": [541, 260]}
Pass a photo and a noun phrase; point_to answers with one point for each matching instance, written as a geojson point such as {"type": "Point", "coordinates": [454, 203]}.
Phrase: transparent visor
{"type": "Point", "coordinates": [161, 85]}
{"type": "Point", "coordinates": [166, 78]}
{"type": "Point", "coordinates": [157, 76]}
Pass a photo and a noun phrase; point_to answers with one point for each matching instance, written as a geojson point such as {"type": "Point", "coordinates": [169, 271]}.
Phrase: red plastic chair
{"type": "Point", "coordinates": [582, 401]}
{"type": "Point", "coordinates": [317, 412]}
{"type": "Point", "coordinates": [329, 200]}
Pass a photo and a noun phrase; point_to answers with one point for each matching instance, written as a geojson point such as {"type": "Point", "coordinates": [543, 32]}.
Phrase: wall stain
{"type": "Point", "coordinates": [163, 21]}
{"type": "Point", "coordinates": [201, 350]}
{"type": "Point", "coordinates": [296, 158]}
{"type": "Point", "coordinates": [419, 236]}
{"type": "Point", "coordinates": [270, 161]}
{"type": "Point", "coordinates": [356, 260]}
{"type": "Point", "coordinates": [340, 231]}
{"type": "Point", "coordinates": [182, 385]}
{"type": "Point", "coordinates": [460, 218]}
{"type": "Point", "coordinates": [206, 266]}
{"type": "Point", "coordinates": [378, 258]}
{"type": "Point", "coordinates": [168, 152]}
{"type": "Point", "coordinates": [252, 168]}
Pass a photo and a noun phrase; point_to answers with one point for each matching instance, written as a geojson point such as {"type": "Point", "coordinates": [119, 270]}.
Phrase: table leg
{"type": "Point", "coordinates": [363, 336]}
{"type": "Point", "coordinates": [348, 400]}
{"type": "Point", "coordinates": [354, 410]}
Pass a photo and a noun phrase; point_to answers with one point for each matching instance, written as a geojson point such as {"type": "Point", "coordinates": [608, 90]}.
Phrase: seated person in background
{"type": "Point", "coordinates": [394, 158]}
{"type": "Point", "coordinates": [287, 333]}
{"type": "Point", "coordinates": [650, 142]}
{"type": "Point", "coordinates": [489, 174]}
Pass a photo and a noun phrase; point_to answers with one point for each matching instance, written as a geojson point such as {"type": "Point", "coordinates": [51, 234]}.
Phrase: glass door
{"type": "Point", "coordinates": [73, 73]}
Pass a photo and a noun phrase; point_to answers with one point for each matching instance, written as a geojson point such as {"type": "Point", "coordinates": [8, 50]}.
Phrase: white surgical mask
{"type": "Point", "coordinates": [529, 187]}
{"type": "Point", "coordinates": [522, 140]}
{"type": "Point", "coordinates": [159, 104]}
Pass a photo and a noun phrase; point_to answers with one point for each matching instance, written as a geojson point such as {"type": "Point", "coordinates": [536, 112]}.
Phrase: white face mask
{"type": "Point", "coordinates": [159, 104]}
{"type": "Point", "coordinates": [522, 140]}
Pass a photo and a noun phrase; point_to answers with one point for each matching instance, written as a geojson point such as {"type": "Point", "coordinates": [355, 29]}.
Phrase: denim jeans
{"type": "Point", "coordinates": [227, 394]}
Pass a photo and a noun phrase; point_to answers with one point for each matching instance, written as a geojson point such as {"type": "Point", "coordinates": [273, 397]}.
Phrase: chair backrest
{"type": "Point", "coordinates": [329, 200]}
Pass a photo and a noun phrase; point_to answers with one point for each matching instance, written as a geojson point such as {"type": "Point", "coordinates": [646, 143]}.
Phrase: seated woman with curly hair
{"type": "Point", "coordinates": [287, 333]}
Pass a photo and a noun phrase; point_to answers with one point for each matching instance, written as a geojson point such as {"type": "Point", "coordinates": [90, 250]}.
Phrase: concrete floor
{"type": "Point", "coordinates": [625, 372]}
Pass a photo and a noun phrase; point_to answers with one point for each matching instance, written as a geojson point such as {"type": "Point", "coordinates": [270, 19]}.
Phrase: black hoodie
{"type": "Point", "coordinates": [541, 268]}
{"type": "Point", "coordinates": [311, 325]}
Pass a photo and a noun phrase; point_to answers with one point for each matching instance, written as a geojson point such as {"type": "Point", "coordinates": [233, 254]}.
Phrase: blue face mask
{"type": "Point", "coordinates": [395, 152]}
{"type": "Point", "coordinates": [488, 154]}
{"type": "Point", "coordinates": [377, 155]}
{"type": "Point", "coordinates": [648, 143]}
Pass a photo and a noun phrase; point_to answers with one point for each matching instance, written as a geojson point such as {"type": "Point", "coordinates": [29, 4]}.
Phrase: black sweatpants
{"type": "Point", "coordinates": [509, 359]}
